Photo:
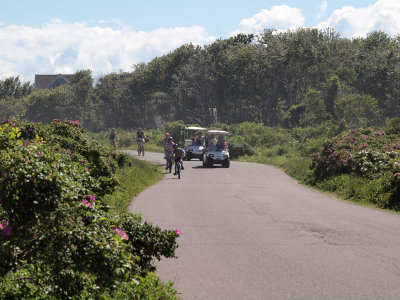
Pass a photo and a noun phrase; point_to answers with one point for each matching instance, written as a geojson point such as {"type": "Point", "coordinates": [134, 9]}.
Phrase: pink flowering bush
{"type": "Point", "coordinates": [364, 152]}
{"type": "Point", "coordinates": [369, 156]}
{"type": "Point", "coordinates": [57, 238]}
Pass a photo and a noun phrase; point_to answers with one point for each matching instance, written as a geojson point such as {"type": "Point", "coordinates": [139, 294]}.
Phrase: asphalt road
{"type": "Point", "coordinates": [252, 232]}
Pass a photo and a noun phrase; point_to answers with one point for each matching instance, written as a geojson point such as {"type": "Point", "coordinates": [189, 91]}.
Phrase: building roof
{"type": "Point", "coordinates": [51, 81]}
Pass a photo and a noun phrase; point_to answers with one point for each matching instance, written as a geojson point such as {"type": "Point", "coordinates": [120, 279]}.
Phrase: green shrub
{"type": "Point", "coordinates": [57, 239]}
{"type": "Point", "coordinates": [236, 150]}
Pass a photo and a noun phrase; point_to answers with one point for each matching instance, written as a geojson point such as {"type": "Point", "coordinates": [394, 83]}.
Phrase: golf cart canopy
{"type": "Point", "coordinates": [217, 132]}
{"type": "Point", "coordinates": [195, 128]}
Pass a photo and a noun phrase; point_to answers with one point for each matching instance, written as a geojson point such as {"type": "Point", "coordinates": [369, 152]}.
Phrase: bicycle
{"type": "Point", "coordinates": [169, 164]}
{"type": "Point", "coordinates": [178, 168]}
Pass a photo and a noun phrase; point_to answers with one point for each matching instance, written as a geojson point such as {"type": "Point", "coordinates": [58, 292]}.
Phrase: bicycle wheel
{"type": "Point", "coordinates": [170, 165]}
{"type": "Point", "coordinates": [179, 170]}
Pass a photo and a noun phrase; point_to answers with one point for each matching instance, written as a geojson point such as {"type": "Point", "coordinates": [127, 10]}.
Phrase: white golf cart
{"type": "Point", "coordinates": [217, 150]}
{"type": "Point", "coordinates": [194, 142]}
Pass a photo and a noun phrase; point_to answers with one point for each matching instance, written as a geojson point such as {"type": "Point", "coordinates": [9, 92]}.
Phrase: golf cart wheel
{"type": "Point", "coordinates": [226, 163]}
{"type": "Point", "coordinates": [208, 163]}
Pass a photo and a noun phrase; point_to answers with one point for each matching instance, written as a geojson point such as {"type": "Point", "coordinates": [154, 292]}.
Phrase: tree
{"type": "Point", "coordinates": [357, 110]}
{"type": "Point", "coordinates": [332, 88]}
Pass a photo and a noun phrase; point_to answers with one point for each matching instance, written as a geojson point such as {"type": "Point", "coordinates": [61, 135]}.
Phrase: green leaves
{"type": "Point", "coordinates": [57, 238]}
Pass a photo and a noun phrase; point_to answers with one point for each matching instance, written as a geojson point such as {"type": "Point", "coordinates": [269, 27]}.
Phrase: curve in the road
{"type": "Point", "coordinates": [252, 232]}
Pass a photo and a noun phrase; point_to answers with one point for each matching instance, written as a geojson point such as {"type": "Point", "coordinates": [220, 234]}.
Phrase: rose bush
{"type": "Point", "coordinates": [57, 238]}
{"type": "Point", "coordinates": [370, 157]}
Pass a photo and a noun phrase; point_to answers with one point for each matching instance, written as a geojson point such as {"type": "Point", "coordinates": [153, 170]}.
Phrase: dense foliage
{"type": "Point", "coordinates": [367, 156]}
{"type": "Point", "coordinates": [58, 238]}
{"type": "Point", "coordinates": [287, 79]}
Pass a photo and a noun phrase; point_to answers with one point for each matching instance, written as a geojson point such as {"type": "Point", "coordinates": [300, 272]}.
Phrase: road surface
{"type": "Point", "coordinates": [252, 232]}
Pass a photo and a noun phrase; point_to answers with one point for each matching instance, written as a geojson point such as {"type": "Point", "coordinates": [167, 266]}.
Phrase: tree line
{"type": "Point", "coordinates": [288, 79]}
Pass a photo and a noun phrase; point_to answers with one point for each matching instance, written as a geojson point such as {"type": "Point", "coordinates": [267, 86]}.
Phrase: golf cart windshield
{"type": "Point", "coordinates": [194, 136]}
{"type": "Point", "coordinates": [217, 140]}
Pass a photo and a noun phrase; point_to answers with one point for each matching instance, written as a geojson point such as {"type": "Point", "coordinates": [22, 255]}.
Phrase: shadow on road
{"type": "Point", "coordinates": [205, 168]}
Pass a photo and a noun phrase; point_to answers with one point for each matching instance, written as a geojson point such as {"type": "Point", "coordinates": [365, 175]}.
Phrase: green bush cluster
{"type": "Point", "coordinates": [360, 164]}
{"type": "Point", "coordinates": [236, 150]}
{"type": "Point", "coordinates": [57, 238]}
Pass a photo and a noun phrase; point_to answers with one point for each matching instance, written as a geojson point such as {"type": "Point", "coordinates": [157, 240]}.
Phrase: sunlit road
{"type": "Point", "coordinates": [251, 232]}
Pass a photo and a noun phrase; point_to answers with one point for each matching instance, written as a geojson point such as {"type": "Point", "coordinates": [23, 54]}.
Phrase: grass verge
{"type": "Point", "coordinates": [147, 147]}
{"type": "Point", "coordinates": [133, 180]}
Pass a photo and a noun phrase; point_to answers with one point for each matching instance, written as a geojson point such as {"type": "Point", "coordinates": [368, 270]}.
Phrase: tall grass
{"type": "Point", "coordinates": [133, 180]}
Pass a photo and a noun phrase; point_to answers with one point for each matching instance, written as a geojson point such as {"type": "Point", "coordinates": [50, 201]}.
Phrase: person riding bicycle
{"type": "Point", "coordinates": [178, 156]}
{"type": "Point", "coordinates": [140, 139]}
{"type": "Point", "coordinates": [169, 149]}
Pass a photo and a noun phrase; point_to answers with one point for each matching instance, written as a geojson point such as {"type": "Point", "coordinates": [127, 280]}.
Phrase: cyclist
{"type": "Point", "coordinates": [168, 149]}
{"type": "Point", "coordinates": [140, 138]}
{"type": "Point", "coordinates": [178, 155]}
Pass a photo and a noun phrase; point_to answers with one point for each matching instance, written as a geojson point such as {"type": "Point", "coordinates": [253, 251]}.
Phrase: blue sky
{"type": "Point", "coordinates": [47, 37]}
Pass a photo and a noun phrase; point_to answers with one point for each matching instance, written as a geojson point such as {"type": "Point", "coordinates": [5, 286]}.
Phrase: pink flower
{"type": "Point", "coordinates": [88, 204]}
{"type": "Point", "coordinates": [83, 162]}
{"type": "Point", "coordinates": [39, 154]}
{"type": "Point", "coordinates": [26, 160]}
{"type": "Point", "coordinates": [92, 198]}
{"type": "Point", "coordinates": [26, 143]}
{"type": "Point", "coordinates": [177, 231]}
{"type": "Point", "coordinates": [121, 233]}
{"type": "Point", "coordinates": [86, 170]}
{"type": "Point", "coordinates": [3, 225]}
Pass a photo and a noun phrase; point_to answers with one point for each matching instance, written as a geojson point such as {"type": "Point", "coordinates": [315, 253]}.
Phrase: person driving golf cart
{"type": "Point", "coordinates": [194, 142]}
{"type": "Point", "coordinates": [216, 151]}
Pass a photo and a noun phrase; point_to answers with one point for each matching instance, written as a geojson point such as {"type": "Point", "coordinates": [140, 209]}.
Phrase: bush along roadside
{"type": "Point", "coordinates": [57, 238]}
{"type": "Point", "coordinates": [361, 165]}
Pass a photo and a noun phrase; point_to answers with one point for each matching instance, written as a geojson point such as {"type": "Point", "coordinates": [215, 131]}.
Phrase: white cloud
{"type": "Point", "coordinates": [358, 22]}
{"type": "Point", "coordinates": [322, 9]}
{"type": "Point", "coordinates": [61, 47]}
{"type": "Point", "coordinates": [278, 17]}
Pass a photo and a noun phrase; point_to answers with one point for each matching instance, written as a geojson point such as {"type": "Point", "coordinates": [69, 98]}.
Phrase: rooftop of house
{"type": "Point", "coordinates": [51, 81]}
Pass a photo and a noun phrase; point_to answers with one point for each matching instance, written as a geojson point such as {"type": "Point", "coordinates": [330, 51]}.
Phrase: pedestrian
{"type": "Point", "coordinates": [113, 136]}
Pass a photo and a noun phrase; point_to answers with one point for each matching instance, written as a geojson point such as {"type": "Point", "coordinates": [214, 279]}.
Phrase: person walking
{"type": "Point", "coordinates": [113, 136]}
{"type": "Point", "coordinates": [140, 138]}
